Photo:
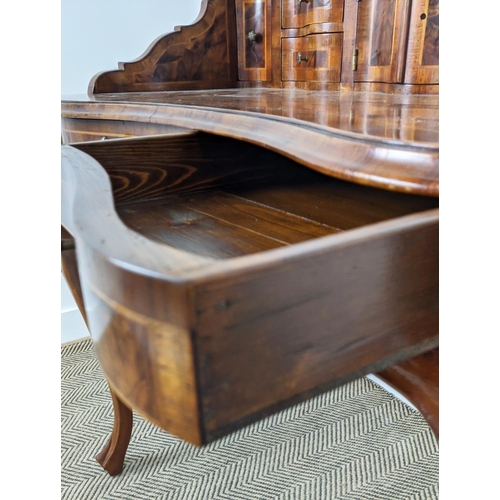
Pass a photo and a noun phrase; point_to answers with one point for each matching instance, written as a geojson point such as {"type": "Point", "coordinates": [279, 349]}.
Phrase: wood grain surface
{"type": "Point", "coordinates": [381, 38]}
{"type": "Point", "coordinates": [74, 130]}
{"type": "Point", "coordinates": [112, 456]}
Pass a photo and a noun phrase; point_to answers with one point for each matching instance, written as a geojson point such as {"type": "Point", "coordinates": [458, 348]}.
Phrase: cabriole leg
{"type": "Point", "coordinates": [113, 455]}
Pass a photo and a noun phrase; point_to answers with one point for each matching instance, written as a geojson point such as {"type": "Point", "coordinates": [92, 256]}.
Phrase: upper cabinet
{"type": "Point", "coordinates": [382, 45]}
{"type": "Point", "coordinates": [300, 13]}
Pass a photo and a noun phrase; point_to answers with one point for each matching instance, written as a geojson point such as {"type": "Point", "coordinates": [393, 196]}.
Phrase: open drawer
{"type": "Point", "coordinates": [223, 281]}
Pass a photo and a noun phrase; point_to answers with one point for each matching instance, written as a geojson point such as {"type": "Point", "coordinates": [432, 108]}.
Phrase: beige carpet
{"type": "Point", "coordinates": [354, 443]}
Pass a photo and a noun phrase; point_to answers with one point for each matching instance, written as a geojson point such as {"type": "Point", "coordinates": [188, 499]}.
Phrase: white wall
{"type": "Point", "coordinates": [95, 36]}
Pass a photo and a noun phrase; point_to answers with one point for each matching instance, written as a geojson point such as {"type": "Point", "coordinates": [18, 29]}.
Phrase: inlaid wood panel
{"type": "Point", "coordinates": [137, 168]}
{"type": "Point", "coordinates": [297, 14]}
{"type": "Point", "coordinates": [418, 379]}
{"type": "Point", "coordinates": [422, 66]}
{"type": "Point", "coordinates": [382, 32]}
{"type": "Point", "coordinates": [254, 39]}
{"type": "Point", "coordinates": [312, 58]}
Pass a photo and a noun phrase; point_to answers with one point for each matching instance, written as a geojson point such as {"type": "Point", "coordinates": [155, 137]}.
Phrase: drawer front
{"type": "Point", "coordinates": [254, 39]}
{"type": "Point", "coordinates": [297, 14]}
{"type": "Point", "coordinates": [313, 58]}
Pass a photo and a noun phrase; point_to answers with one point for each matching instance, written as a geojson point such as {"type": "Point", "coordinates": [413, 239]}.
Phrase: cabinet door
{"type": "Point", "coordinates": [422, 63]}
{"type": "Point", "coordinates": [382, 31]}
{"type": "Point", "coordinates": [300, 13]}
{"type": "Point", "coordinates": [253, 20]}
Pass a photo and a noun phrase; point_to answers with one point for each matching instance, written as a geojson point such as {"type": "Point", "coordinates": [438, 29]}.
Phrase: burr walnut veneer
{"type": "Point", "coordinates": [250, 212]}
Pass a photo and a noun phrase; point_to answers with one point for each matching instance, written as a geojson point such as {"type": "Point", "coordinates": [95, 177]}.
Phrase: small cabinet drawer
{"type": "Point", "coordinates": [314, 58]}
{"type": "Point", "coordinates": [76, 130]}
{"type": "Point", "coordinates": [297, 14]}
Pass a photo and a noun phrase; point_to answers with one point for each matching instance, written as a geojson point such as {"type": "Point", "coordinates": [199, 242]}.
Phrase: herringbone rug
{"type": "Point", "coordinates": [354, 443]}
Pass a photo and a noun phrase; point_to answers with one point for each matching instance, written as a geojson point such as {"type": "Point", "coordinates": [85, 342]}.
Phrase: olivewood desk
{"type": "Point", "coordinates": [242, 250]}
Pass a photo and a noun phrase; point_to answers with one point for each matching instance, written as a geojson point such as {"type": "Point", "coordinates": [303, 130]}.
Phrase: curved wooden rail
{"type": "Point", "coordinates": [418, 379]}
{"type": "Point", "coordinates": [364, 158]}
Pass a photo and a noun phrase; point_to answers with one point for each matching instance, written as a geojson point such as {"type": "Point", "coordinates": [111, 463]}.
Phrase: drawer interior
{"type": "Point", "coordinates": [222, 198]}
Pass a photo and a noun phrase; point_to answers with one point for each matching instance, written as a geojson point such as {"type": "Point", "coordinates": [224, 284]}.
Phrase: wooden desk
{"type": "Point", "coordinates": [241, 249]}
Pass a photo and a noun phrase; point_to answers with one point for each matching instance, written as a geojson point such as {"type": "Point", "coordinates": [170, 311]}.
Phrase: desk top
{"type": "Point", "coordinates": [388, 141]}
